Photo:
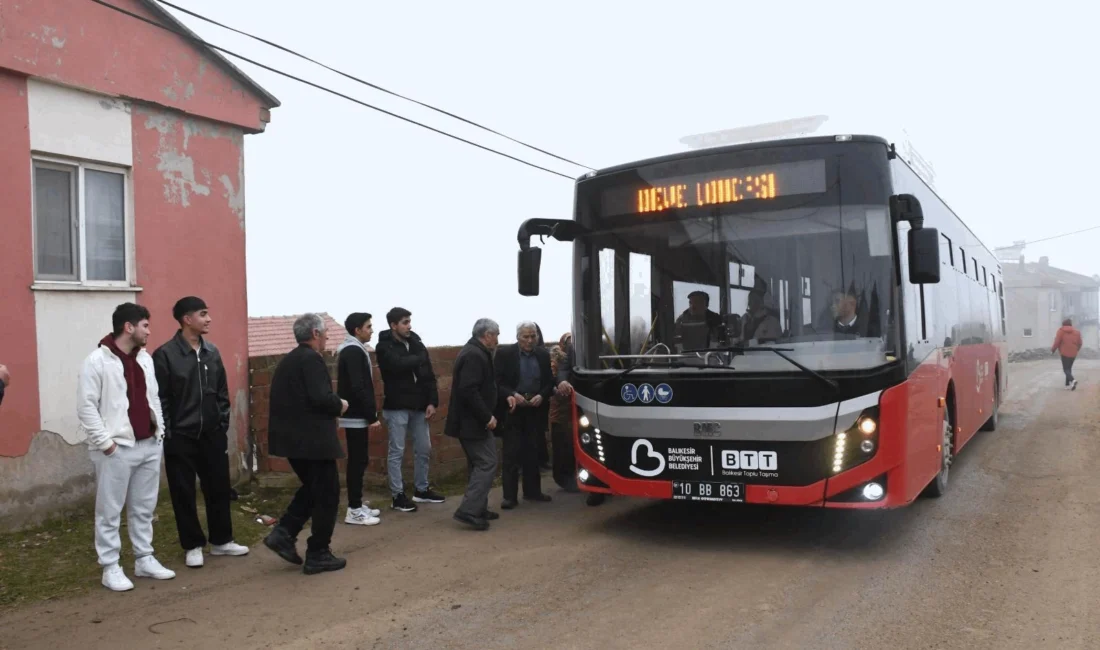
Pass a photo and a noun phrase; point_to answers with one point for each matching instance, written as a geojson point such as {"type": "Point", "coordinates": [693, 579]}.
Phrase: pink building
{"type": "Point", "coordinates": [122, 172]}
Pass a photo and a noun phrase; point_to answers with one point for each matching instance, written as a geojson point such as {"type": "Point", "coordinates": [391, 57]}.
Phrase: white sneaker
{"type": "Point", "coordinates": [362, 517]}
{"type": "Point", "coordinates": [148, 567]}
{"type": "Point", "coordinates": [194, 558]}
{"type": "Point", "coordinates": [115, 579]}
{"type": "Point", "coordinates": [1073, 386]}
{"type": "Point", "coordinates": [229, 548]}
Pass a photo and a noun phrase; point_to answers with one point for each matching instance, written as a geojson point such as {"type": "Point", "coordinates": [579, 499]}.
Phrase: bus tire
{"type": "Point", "coordinates": [991, 423]}
{"type": "Point", "coordinates": [938, 487]}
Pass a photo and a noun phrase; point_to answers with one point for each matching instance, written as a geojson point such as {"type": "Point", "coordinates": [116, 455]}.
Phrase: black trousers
{"type": "Point", "coordinates": [543, 443]}
{"type": "Point", "coordinates": [1067, 367]}
{"type": "Point", "coordinates": [318, 499]}
{"type": "Point", "coordinates": [521, 455]}
{"type": "Point", "coordinates": [358, 441]}
{"type": "Point", "coordinates": [565, 461]}
{"type": "Point", "coordinates": [204, 457]}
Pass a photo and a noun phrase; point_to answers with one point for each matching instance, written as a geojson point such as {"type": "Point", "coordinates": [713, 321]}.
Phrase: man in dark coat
{"type": "Point", "coordinates": [302, 429]}
{"type": "Point", "coordinates": [471, 418]}
{"type": "Point", "coordinates": [523, 372]}
{"type": "Point", "coordinates": [410, 400]}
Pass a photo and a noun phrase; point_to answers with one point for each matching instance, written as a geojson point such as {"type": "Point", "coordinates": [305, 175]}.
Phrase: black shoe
{"type": "Point", "coordinates": [595, 499]}
{"type": "Point", "coordinates": [321, 561]}
{"type": "Point", "coordinates": [508, 504]}
{"type": "Point", "coordinates": [428, 496]}
{"type": "Point", "coordinates": [477, 523]}
{"type": "Point", "coordinates": [540, 498]}
{"type": "Point", "coordinates": [280, 541]}
{"type": "Point", "coordinates": [402, 503]}
{"type": "Point", "coordinates": [490, 515]}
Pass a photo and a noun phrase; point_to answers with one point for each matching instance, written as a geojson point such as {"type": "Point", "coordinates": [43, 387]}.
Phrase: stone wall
{"type": "Point", "coordinates": [447, 456]}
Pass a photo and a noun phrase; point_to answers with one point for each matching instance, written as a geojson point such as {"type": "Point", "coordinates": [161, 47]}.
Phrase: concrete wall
{"type": "Point", "coordinates": [447, 455]}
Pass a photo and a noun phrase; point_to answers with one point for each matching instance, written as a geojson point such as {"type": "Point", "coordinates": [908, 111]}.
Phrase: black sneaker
{"type": "Point", "coordinates": [490, 515]}
{"type": "Point", "coordinates": [280, 541]}
{"type": "Point", "coordinates": [402, 503]}
{"type": "Point", "coordinates": [321, 561]}
{"type": "Point", "coordinates": [428, 496]}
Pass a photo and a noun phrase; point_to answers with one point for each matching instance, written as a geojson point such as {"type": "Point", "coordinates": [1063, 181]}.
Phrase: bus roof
{"type": "Point", "coordinates": [750, 146]}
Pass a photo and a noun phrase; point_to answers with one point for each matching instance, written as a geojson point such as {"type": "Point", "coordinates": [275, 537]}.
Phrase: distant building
{"type": "Point", "coordinates": [1039, 296]}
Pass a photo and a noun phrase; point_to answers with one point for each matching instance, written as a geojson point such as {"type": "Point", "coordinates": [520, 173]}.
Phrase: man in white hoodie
{"type": "Point", "coordinates": [119, 412]}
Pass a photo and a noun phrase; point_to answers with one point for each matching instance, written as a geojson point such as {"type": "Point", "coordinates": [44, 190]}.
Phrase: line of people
{"type": "Point", "coordinates": [135, 409]}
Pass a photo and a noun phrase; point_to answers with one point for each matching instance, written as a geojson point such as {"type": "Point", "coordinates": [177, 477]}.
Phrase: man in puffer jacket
{"type": "Point", "coordinates": [1068, 343]}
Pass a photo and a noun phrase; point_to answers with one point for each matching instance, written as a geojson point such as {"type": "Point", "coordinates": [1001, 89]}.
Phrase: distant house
{"type": "Point", "coordinates": [122, 177]}
{"type": "Point", "coordinates": [1039, 297]}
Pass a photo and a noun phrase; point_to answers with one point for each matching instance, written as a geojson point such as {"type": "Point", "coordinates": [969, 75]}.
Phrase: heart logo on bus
{"type": "Point", "coordinates": [650, 453]}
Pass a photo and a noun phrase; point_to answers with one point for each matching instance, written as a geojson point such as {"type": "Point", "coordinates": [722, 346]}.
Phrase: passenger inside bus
{"type": "Point", "coordinates": [761, 322]}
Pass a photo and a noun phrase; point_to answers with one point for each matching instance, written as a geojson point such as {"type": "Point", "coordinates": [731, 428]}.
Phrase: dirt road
{"type": "Point", "coordinates": [1008, 559]}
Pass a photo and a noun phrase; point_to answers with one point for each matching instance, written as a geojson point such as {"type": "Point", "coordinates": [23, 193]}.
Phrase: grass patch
{"type": "Point", "coordinates": [58, 560]}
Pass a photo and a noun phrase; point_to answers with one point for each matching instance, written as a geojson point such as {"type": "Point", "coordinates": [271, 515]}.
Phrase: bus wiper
{"type": "Point", "coordinates": [781, 353]}
{"type": "Point", "coordinates": [674, 362]}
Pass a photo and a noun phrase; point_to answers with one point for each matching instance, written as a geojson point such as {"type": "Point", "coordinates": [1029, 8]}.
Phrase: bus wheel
{"type": "Point", "coordinates": [938, 486]}
{"type": "Point", "coordinates": [991, 423]}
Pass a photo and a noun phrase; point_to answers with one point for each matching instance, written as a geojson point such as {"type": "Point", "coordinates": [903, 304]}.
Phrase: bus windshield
{"type": "Point", "coordinates": [789, 257]}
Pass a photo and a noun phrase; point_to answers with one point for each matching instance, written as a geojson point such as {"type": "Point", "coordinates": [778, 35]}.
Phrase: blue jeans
{"type": "Point", "coordinates": [400, 423]}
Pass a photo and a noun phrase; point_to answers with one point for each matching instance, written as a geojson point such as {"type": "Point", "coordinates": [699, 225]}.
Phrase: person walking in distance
{"type": "Point", "coordinates": [302, 428]}
{"type": "Point", "coordinates": [194, 394]}
{"type": "Point", "coordinates": [523, 372]}
{"type": "Point", "coordinates": [1067, 342]}
{"type": "Point", "coordinates": [355, 385]}
{"type": "Point", "coordinates": [120, 415]}
{"type": "Point", "coordinates": [410, 400]}
{"type": "Point", "coordinates": [472, 419]}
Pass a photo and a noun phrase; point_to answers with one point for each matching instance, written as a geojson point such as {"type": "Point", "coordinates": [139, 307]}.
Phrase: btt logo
{"type": "Point", "coordinates": [767, 461]}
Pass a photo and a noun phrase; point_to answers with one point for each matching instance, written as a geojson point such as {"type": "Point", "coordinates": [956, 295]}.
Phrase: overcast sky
{"type": "Point", "coordinates": [349, 209]}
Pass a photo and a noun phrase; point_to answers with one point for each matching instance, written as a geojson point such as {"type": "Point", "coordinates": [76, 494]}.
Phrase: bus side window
{"type": "Point", "coordinates": [962, 254]}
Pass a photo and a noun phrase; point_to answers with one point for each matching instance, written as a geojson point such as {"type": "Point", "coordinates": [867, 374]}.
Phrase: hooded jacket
{"type": "Point", "coordinates": [1067, 342]}
{"type": "Point", "coordinates": [407, 375]}
{"type": "Point", "coordinates": [355, 384]}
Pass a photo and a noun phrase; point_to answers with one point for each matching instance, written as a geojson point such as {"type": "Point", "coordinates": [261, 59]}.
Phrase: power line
{"type": "Point", "coordinates": [367, 83]}
{"type": "Point", "coordinates": [200, 41]}
{"type": "Point", "coordinates": [1065, 234]}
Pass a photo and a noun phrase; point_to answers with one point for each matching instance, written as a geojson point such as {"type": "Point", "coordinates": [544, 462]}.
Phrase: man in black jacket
{"type": "Point", "coordinates": [523, 372]}
{"type": "Point", "coordinates": [302, 428]}
{"type": "Point", "coordinates": [355, 385]}
{"type": "Point", "coordinates": [471, 418]}
{"type": "Point", "coordinates": [411, 398]}
{"type": "Point", "coordinates": [194, 396]}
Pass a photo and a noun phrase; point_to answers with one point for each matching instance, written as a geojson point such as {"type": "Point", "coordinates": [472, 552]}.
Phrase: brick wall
{"type": "Point", "coordinates": [447, 456]}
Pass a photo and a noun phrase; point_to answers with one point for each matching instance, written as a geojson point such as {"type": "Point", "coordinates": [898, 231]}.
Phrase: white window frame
{"type": "Point", "coordinates": [81, 281]}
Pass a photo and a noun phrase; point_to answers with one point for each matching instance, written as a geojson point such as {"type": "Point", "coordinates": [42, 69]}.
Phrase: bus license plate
{"type": "Point", "coordinates": [705, 491]}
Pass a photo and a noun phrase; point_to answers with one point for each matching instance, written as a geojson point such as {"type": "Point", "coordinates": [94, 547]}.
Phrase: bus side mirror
{"type": "Point", "coordinates": [924, 256]}
{"type": "Point", "coordinates": [530, 261]}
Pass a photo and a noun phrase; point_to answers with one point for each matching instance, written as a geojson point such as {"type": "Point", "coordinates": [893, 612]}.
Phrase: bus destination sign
{"type": "Point", "coordinates": [715, 188]}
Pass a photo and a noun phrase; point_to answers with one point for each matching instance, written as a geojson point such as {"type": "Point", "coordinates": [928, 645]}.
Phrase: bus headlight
{"type": "Point", "coordinates": [584, 422]}
{"type": "Point", "coordinates": [873, 491]}
{"type": "Point", "coordinates": [867, 426]}
{"type": "Point", "coordinates": [858, 443]}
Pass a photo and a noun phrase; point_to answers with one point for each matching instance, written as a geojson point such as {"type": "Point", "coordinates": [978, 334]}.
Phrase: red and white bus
{"type": "Point", "coordinates": [792, 322]}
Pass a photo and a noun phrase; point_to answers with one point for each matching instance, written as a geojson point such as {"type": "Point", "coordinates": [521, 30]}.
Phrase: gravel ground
{"type": "Point", "coordinates": [1007, 559]}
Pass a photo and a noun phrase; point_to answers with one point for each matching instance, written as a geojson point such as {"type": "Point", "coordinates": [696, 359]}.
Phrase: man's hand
{"type": "Point", "coordinates": [520, 399]}
{"type": "Point", "coordinates": [536, 401]}
{"type": "Point", "coordinates": [429, 412]}
{"type": "Point", "coordinates": [374, 428]}
{"type": "Point", "coordinates": [492, 424]}
{"type": "Point", "coordinates": [512, 403]}
{"type": "Point", "coordinates": [565, 388]}
{"type": "Point", "coordinates": [343, 406]}
{"type": "Point", "coordinates": [5, 376]}
{"type": "Point", "coordinates": [113, 449]}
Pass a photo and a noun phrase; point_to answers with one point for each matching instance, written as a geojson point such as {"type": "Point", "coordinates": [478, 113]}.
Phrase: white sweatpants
{"type": "Point", "coordinates": [130, 476]}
